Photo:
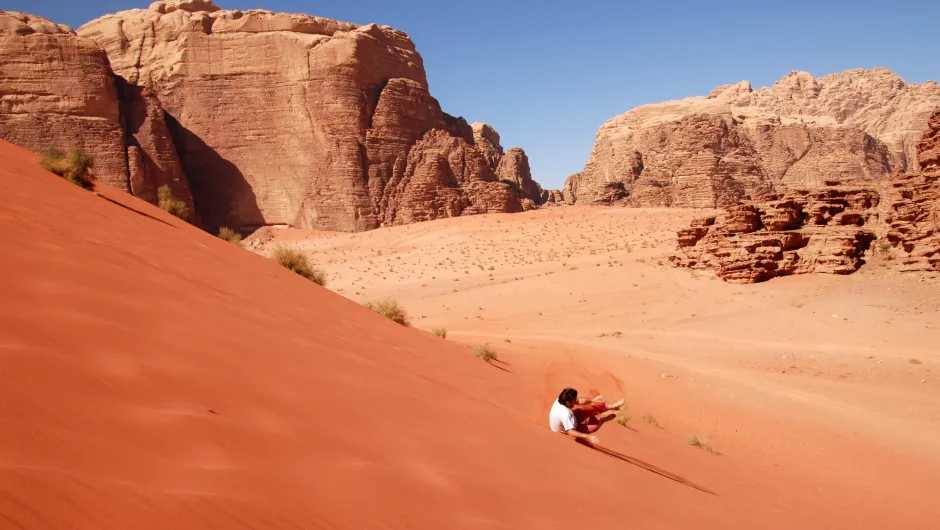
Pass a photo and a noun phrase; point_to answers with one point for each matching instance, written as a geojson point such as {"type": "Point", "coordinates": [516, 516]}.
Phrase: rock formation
{"type": "Point", "coordinates": [511, 167]}
{"type": "Point", "coordinates": [57, 91]}
{"type": "Point", "coordinates": [827, 229]}
{"type": "Point", "coordinates": [739, 144]}
{"type": "Point", "coordinates": [253, 117]}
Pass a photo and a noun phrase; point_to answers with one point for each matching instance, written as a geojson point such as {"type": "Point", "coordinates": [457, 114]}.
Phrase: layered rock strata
{"type": "Point", "coordinates": [827, 229]}
{"type": "Point", "coordinates": [57, 91]}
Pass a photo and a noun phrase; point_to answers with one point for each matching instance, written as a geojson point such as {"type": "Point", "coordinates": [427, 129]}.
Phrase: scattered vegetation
{"type": "Point", "coordinates": [696, 441]}
{"type": "Point", "coordinates": [296, 261]}
{"type": "Point", "coordinates": [440, 332]}
{"type": "Point", "coordinates": [72, 167]}
{"type": "Point", "coordinates": [230, 235]}
{"type": "Point", "coordinates": [167, 202]}
{"type": "Point", "coordinates": [615, 334]}
{"type": "Point", "coordinates": [650, 419]}
{"type": "Point", "coordinates": [916, 361]}
{"type": "Point", "coordinates": [622, 416]}
{"type": "Point", "coordinates": [483, 351]}
{"type": "Point", "coordinates": [392, 310]}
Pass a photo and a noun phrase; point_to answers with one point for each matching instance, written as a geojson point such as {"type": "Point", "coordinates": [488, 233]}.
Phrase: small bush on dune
{"type": "Point", "coordinates": [230, 235]}
{"type": "Point", "coordinates": [391, 310]}
{"type": "Point", "coordinates": [622, 417]}
{"type": "Point", "coordinates": [649, 418]}
{"type": "Point", "coordinates": [483, 351]}
{"type": "Point", "coordinates": [72, 167]}
{"type": "Point", "coordinates": [440, 332]}
{"type": "Point", "coordinates": [296, 261]}
{"type": "Point", "coordinates": [695, 441]}
{"type": "Point", "coordinates": [167, 202]}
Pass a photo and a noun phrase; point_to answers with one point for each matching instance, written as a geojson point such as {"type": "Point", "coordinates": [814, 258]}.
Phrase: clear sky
{"type": "Point", "coordinates": [546, 74]}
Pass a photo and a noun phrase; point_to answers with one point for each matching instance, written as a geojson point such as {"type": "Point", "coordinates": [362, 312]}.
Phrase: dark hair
{"type": "Point", "coordinates": [568, 394]}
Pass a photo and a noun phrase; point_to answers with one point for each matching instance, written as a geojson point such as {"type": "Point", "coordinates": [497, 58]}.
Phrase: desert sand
{"type": "Point", "coordinates": [821, 388]}
{"type": "Point", "coordinates": [154, 376]}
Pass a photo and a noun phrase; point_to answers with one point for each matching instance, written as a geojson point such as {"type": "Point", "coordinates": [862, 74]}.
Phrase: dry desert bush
{"type": "Point", "coordinates": [440, 332]}
{"type": "Point", "coordinates": [296, 261]}
{"type": "Point", "coordinates": [696, 441]}
{"type": "Point", "coordinates": [72, 167]}
{"type": "Point", "coordinates": [167, 202]}
{"type": "Point", "coordinates": [229, 235]}
{"type": "Point", "coordinates": [391, 310]}
{"type": "Point", "coordinates": [483, 351]}
{"type": "Point", "coordinates": [649, 418]}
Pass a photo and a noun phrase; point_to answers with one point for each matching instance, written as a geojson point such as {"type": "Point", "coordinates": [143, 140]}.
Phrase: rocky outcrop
{"type": "Point", "coordinates": [812, 231]}
{"type": "Point", "coordinates": [446, 177]}
{"type": "Point", "coordinates": [928, 149]}
{"type": "Point", "coordinates": [513, 169]}
{"type": "Point", "coordinates": [151, 153]}
{"type": "Point", "coordinates": [740, 144]}
{"type": "Point", "coordinates": [827, 229]}
{"type": "Point", "coordinates": [295, 119]}
{"type": "Point", "coordinates": [57, 91]}
{"type": "Point", "coordinates": [913, 207]}
{"type": "Point", "coordinates": [486, 140]}
{"type": "Point", "coordinates": [251, 117]}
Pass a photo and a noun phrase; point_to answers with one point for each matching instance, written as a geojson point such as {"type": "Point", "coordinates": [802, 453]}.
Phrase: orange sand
{"type": "Point", "coordinates": [152, 376]}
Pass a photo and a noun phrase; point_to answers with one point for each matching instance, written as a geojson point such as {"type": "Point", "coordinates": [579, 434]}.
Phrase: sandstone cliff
{"type": "Point", "coordinates": [252, 117]}
{"type": "Point", "coordinates": [738, 143]}
{"type": "Point", "coordinates": [293, 119]}
{"type": "Point", "coordinates": [57, 90]}
{"type": "Point", "coordinates": [827, 229]}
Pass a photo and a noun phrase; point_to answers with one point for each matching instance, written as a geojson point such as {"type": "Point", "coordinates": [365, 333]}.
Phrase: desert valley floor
{"type": "Point", "coordinates": [822, 388]}
{"type": "Point", "coordinates": [156, 376]}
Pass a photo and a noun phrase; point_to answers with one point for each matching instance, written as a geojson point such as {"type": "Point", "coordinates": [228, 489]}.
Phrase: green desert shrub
{"type": "Point", "coordinates": [296, 261]}
{"type": "Point", "coordinates": [230, 235]}
{"type": "Point", "coordinates": [440, 332]}
{"type": "Point", "coordinates": [72, 167]}
{"type": "Point", "coordinates": [483, 351]}
{"type": "Point", "coordinates": [391, 310]}
{"type": "Point", "coordinates": [167, 202]}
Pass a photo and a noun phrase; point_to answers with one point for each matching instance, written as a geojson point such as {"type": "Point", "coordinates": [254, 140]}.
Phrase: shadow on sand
{"type": "Point", "coordinates": [649, 467]}
{"type": "Point", "coordinates": [145, 214]}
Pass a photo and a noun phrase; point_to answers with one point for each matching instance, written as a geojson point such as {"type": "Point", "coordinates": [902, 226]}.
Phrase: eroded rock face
{"type": "Point", "coordinates": [913, 207]}
{"type": "Point", "coordinates": [812, 231]}
{"type": "Point", "coordinates": [741, 144]}
{"type": "Point", "coordinates": [57, 90]}
{"type": "Point", "coordinates": [446, 177]}
{"type": "Point", "coordinates": [513, 169]}
{"type": "Point", "coordinates": [289, 119]}
{"type": "Point", "coordinates": [151, 153]}
{"type": "Point", "coordinates": [827, 229]}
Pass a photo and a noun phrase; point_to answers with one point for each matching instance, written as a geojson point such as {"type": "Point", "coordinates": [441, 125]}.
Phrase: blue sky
{"type": "Point", "coordinates": [546, 74]}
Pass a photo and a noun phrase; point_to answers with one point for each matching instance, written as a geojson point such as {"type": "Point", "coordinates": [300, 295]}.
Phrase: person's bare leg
{"type": "Point", "coordinates": [614, 406]}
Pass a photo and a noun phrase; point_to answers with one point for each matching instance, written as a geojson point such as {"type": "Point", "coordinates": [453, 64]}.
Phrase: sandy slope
{"type": "Point", "coordinates": [152, 376]}
{"type": "Point", "coordinates": [820, 392]}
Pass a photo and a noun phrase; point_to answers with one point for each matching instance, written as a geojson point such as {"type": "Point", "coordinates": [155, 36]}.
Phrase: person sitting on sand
{"type": "Point", "coordinates": [582, 417]}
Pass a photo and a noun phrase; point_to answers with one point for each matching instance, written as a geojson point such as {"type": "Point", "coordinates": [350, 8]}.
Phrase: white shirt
{"type": "Point", "coordinates": [561, 418]}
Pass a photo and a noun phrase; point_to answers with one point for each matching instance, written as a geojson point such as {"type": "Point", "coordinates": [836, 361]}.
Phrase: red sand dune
{"type": "Point", "coordinates": [153, 376]}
